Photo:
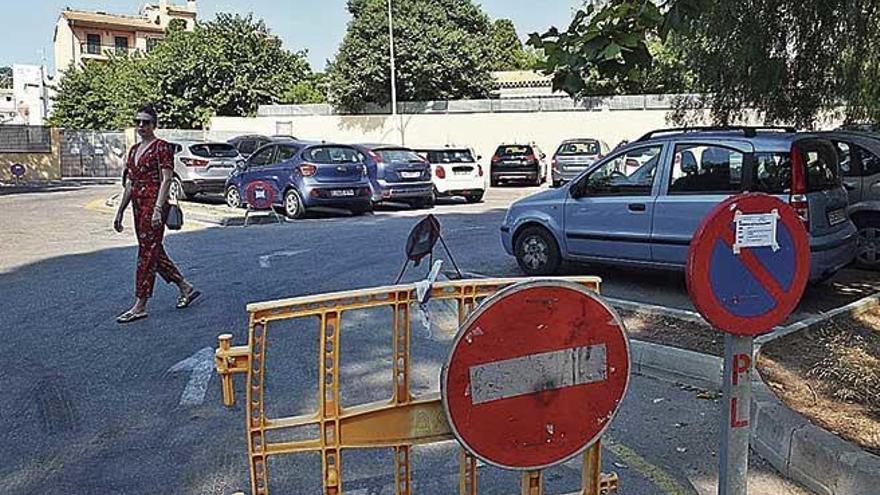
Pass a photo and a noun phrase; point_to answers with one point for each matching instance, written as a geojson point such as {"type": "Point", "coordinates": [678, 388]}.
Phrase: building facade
{"type": "Point", "coordinates": [82, 35]}
{"type": "Point", "coordinates": [27, 102]}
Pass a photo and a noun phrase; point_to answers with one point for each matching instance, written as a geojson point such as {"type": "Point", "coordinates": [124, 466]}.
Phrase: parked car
{"type": "Point", "coordinates": [305, 175]}
{"type": "Point", "coordinates": [641, 205]}
{"type": "Point", "coordinates": [860, 166]}
{"type": "Point", "coordinates": [518, 162]}
{"type": "Point", "coordinates": [201, 167]}
{"type": "Point", "coordinates": [455, 172]}
{"type": "Point", "coordinates": [247, 144]}
{"type": "Point", "coordinates": [398, 174]}
{"type": "Point", "coordinates": [574, 156]}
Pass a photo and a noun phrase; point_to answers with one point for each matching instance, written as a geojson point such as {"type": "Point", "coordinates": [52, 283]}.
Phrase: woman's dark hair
{"type": "Point", "coordinates": [150, 110]}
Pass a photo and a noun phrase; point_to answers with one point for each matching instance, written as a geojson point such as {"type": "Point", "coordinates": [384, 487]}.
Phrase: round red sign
{"type": "Point", "coordinates": [748, 264]}
{"type": "Point", "coordinates": [535, 375]}
{"type": "Point", "coordinates": [260, 195]}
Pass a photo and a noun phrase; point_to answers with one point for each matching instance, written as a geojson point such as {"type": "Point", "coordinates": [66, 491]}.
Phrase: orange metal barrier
{"type": "Point", "coordinates": [398, 424]}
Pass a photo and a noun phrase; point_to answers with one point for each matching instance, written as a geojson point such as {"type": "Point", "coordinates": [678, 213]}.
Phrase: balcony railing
{"type": "Point", "coordinates": [92, 50]}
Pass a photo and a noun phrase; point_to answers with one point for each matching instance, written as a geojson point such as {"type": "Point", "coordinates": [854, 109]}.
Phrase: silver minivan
{"type": "Point", "coordinates": [202, 167]}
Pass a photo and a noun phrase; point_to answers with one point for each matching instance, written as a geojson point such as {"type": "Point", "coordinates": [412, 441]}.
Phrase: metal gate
{"type": "Point", "coordinates": [400, 423]}
{"type": "Point", "coordinates": [87, 154]}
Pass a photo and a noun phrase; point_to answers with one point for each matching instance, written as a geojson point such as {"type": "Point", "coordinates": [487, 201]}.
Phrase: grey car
{"type": "Point", "coordinates": [574, 156]}
{"type": "Point", "coordinates": [860, 166]}
{"type": "Point", "coordinates": [202, 167]}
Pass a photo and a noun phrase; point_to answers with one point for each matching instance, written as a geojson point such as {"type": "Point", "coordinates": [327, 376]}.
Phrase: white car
{"type": "Point", "coordinates": [455, 172]}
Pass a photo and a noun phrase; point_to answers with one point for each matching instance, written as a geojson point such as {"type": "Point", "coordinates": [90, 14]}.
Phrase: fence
{"type": "Point", "coordinates": [25, 139]}
{"type": "Point", "coordinates": [92, 154]}
{"type": "Point", "coordinates": [544, 104]}
{"type": "Point", "coordinates": [399, 423]}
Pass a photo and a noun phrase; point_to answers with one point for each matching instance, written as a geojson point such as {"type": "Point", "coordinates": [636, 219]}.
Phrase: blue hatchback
{"type": "Point", "coordinates": [305, 175]}
{"type": "Point", "coordinates": [398, 174]}
{"type": "Point", "coordinates": [641, 205]}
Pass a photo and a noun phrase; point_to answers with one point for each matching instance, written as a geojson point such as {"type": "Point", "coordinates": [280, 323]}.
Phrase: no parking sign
{"type": "Point", "coordinates": [748, 266]}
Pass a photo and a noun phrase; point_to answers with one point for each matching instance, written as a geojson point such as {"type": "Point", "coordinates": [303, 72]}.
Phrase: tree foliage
{"type": "Point", "coordinates": [791, 61]}
{"type": "Point", "coordinates": [508, 52]}
{"type": "Point", "coordinates": [228, 66]}
{"type": "Point", "coordinates": [442, 52]}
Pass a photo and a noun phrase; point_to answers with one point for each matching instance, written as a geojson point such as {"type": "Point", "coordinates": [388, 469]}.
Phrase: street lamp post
{"type": "Point", "coordinates": [394, 115]}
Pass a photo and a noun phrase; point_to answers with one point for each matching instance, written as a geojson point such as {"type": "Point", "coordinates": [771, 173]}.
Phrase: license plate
{"type": "Point", "coordinates": [340, 193]}
{"type": "Point", "coordinates": [461, 173]}
{"type": "Point", "coordinates": [836, 217]}
{"type": "Point", "coordinates": [410, 175]}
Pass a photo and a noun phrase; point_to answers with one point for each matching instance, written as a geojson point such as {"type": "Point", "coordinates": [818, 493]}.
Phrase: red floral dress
{"type": "Point", "coordinates": [145, 177]}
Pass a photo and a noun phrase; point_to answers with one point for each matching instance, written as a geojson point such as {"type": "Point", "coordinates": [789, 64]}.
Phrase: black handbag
{"type": "Point", "coordinates": [174, 221]}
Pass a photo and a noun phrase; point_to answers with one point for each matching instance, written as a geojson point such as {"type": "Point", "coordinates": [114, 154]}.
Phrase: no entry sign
{"type": "Point", "coordinates": [748, 264]}
{"type": "Point", "coordinates": [260, 195]}
{"type": "Point", "coordinates": [535, 375]}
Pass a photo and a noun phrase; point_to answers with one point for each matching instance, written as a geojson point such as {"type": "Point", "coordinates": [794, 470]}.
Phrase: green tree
{"type": "Point", "coordinates": [508, 52]}
{"type": "Point", "coordinates": [441, 53]}
{"type": "Point", "coordinates": [5, 77]}
{"type": "Point", "coordinates": [228, 67]}
{"type": "Point", "coordinates": [791, 61]}
{"type": "Point", "coordinates": [311, 89]}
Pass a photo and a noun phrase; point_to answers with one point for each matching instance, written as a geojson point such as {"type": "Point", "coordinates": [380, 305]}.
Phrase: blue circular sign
{"type": "Point", "coordinates": [748, 264]}
{"type": "Point", "coordinates": [17, 170]}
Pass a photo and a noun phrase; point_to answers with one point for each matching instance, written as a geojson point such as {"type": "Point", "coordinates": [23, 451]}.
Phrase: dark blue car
{"type": "Point", "coordinates": [398, 174]}
{"type": "Point", "coordinates": [305, 175]}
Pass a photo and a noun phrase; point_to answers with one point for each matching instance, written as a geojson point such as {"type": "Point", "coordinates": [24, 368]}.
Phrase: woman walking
{"type": "Point", "coordinates": [149, 170]}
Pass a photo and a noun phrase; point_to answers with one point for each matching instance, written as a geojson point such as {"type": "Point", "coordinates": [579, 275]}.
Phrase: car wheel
{"type": "Point", "coordinates": [233, 197]}
{"type": "Point", "coordinates": [293, 205]}
{"type": "Point", "coordinates": [537, 252]}
{"type": "Point", "coordinates": [476, 197]}
{"type": "Point", "coordinates": [868, 254]}
{"type": "Point", "coordinates": [176, 192]}
{"type": "Point", "coordinates": [538, 181]}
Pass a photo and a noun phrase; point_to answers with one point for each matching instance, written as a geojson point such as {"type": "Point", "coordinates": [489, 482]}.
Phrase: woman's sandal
{"type": "Point", "coordinates": [184, 300]}
{"type": "Point", "coordinates": [129, 317]}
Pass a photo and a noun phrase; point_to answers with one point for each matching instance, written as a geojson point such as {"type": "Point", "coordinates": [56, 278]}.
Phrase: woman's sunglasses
{"type": "Point", "coordinates": [142, 122]}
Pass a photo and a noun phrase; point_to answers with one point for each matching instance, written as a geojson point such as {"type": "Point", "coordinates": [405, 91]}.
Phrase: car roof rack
{"type": "Point", "coordinates": [748, 131]}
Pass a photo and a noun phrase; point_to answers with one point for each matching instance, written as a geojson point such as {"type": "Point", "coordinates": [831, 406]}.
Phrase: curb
{"type": "Point", "coordinates": [852, 309]}
{"type": "Point", "coordinates": [800, 450]}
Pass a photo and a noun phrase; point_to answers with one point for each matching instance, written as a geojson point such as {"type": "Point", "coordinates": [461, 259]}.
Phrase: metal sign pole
{"type": "Point", "coordinates": [735, 428]}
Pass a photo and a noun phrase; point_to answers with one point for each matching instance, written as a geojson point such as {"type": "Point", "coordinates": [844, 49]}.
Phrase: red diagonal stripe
{"type": "Point", "coordinates": [754, 265]}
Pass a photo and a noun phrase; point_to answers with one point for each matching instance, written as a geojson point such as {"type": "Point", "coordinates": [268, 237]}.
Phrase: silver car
{"type": "Point", "coordinates": [860, 166]}
{"type": "Point", "coordinates": [202, 167]}
{"type": "Point", "coordinates": [574, 156]}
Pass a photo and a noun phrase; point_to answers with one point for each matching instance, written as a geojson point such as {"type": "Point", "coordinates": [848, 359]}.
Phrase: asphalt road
{"type": "Point", "coordinates": [92, 407]}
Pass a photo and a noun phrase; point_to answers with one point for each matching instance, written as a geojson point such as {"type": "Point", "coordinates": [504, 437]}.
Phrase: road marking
{"type": "Point", "coordinates": [655, 474]}
{"type": "Point", "coordinates": [266, 260]}
{"type": "Point", "coordinates": [537, 373]}
{"type": "Point", "coordinates": [201, 365]}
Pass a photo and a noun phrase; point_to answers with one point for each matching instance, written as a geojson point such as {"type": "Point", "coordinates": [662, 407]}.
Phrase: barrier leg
{"type": "Point", "coordinates": [533, 483]}
{"type": "Point", "coordinates": [402, 471]}
{"type": "Point", "coordinates": [467, 473]}
{"type": "Point", "coordinates": [592, 477]}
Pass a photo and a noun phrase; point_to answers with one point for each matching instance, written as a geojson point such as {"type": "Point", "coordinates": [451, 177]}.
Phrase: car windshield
{"type": "Point", "coordinates": [449, 156]}
{"type": "Point", "coordinates": [332, 154]}
{"type": "Point", "coordinates": [514, 151]}
{"type": "Point", "coordinates": [399, 156]}
{"type": "Point", "coordinates": [579, 148]}
{"type": "Point", "coordinates": [214, 150]}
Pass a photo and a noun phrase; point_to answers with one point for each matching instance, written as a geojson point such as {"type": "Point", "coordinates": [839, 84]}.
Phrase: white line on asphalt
{"type": "Point", "coordinates": [201, 365]}
{"type": "Point", "coordinates": [265, 260]}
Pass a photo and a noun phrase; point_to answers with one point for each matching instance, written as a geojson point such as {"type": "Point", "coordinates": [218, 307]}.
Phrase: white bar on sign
{"type": "Point", "coordinates": [537, 373]}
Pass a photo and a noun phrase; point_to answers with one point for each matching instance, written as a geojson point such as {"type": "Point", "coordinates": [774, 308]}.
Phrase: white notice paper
{"type": "Point", "coordinates": [756, 230]}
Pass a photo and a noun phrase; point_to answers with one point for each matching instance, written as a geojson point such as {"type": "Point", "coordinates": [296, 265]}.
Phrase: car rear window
{"type": "Point", "coordinates": [399, 156]}
{"type": "Point", "coordinates": [513, 151]}
{"type": "Point", "coordinates": [332, 154]}
{"type": "Point", "coordinates": [214, 150]}
{"type": "Point", "coordinates": [579, 148]}
{"type": "Point", "coordinates": [449, 156]}
{"type": "Point", "coordinates": [823, 168]}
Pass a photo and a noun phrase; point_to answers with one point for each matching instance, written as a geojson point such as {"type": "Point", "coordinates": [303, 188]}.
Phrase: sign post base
{"type": "Point", "coordinates": [737, 390]}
